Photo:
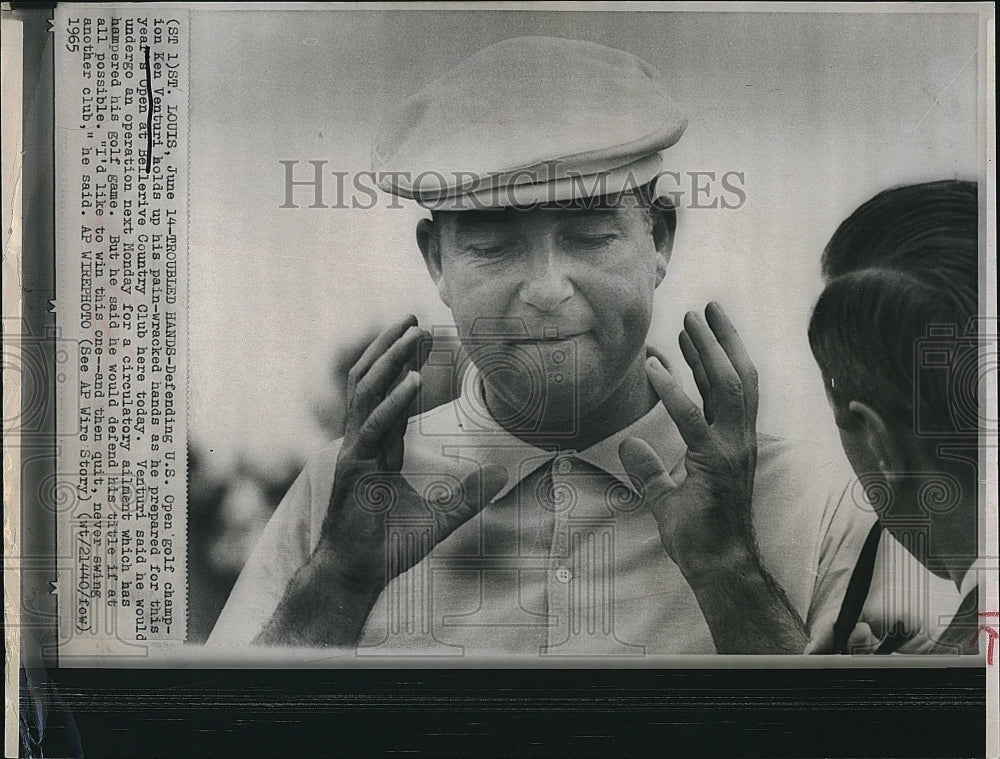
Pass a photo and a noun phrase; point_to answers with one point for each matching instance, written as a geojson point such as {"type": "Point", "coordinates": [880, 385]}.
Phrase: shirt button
{"type": "Point", "coordinates": [563, 575]}
{"type": "Point", "coordinates": [564, 466]}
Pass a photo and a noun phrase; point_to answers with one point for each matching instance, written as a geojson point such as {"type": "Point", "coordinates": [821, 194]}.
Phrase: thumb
{"type": "Point", "coordinates": [642, 463]}
{"type": "Point", "coordinates": [478, 488]}
{"type": "Point", "coordinates": [679, 472]}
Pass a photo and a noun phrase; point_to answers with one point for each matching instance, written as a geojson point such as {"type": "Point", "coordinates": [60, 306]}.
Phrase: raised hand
{"type": "Point", "coordinates": [329, 599]}
{"type": "Point", "coordinates": [368, 485]}
{"type": "Point", "coordinates": [703, 508]}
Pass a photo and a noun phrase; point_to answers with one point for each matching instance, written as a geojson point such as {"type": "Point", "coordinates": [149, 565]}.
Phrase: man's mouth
{"type": "Point", "coordinates": [546, 340]}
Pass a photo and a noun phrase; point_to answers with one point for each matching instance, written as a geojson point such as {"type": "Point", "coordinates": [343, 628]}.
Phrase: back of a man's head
{"type": "Point", "coordinates": [894, 327]}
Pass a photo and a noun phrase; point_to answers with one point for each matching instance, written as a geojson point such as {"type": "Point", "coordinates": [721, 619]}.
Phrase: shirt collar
{"type": "Point", "coordinates": [521, 459]}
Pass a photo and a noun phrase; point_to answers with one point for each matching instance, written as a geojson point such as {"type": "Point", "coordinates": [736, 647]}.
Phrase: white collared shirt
{"type": "Point", "coordinates": [907, 605]}
{"type": "Point", "coordinates": [567, 567]}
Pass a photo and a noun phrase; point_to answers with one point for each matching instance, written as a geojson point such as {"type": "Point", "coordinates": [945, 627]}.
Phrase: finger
{"type": "Point", "coordinates": [679, 473]}
{"type": "Point", "coordinates": [379, 346]}
{"type": "Point", "coordinates": [658, 354]}
{"type": "Point", "coordinates": [394, 443]}
{"type": "Point", "coordinates": [643, 464]}
{"type": "Point", "coordinates": [394, 440]}
{"type": "Point", "coordinates": [378, 380]}
{"type": "Point", "coordinates": [424, 347]}
{"type": "Point", "coordinates": [355, 414]}
{"type": "Point", "coordinates": [481, 486]}
{"type": "Point", "coordinates": [421, 352]}
{"type": "Point", "coordinates": [732, 344]}
{"type": "Point", "coordinates": [373, 436]}
{"type": "Point", "coordinates": [701, 379]}
{"type": "Point", "coordinates": [395, 450]}
{"type": "Point", "coordinates": [726, 383]}
{"type": "Point", "coordinates": [686, 415]}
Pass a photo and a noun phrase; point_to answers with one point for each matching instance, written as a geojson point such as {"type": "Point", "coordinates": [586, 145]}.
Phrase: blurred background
{"type": "Point", "coordinates": [819, 111]}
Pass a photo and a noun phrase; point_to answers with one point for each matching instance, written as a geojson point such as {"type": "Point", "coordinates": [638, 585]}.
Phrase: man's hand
{"type": "Point", "coordinates": [704, 507]}
{"type": "Point", "coordinates": [707, 516]}
{"type": "Point", "coordinates": [368, 484]}
{"type": "Point", "coordinates": [329, 600]}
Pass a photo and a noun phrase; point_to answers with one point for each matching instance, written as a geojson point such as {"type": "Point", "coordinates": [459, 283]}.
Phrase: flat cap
{"type": "Point", "coordinates": [529, 120]}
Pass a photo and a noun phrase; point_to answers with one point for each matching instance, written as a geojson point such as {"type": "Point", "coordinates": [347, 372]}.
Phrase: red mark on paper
{"type": "Point", "coordinates": [991, 632]}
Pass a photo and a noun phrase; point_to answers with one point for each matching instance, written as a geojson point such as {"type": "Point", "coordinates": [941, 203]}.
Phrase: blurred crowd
{"type": "Point", "coordinates": [231, 498]}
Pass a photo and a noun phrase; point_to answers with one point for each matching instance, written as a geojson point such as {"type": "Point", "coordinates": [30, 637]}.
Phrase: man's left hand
{"type": "Point", "coordinates": [704, 517]}
{"type": "Point", "coordinates": [704, 507]}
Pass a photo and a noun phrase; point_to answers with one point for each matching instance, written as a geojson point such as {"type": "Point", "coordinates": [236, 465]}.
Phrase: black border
{"type": "Point", "coordinates": [537, 712]}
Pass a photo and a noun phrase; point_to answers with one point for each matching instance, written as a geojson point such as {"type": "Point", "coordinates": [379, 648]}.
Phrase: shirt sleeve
{"type": "Point", "coordinates": [843, 532]}
{"type": "Point", "coordinates": [284, 547]}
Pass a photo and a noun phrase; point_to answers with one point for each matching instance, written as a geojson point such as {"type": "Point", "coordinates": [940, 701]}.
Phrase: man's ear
{"type": "Point", "coordinates": [429, 242]}
{"type": "Point", "coordinates": [888, 452]}
{"type": "Point", "coordinates": [663, 239]}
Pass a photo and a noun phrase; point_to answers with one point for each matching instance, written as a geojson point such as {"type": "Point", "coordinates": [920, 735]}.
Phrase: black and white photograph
{"type": "Point", "coordinates": [359, 341]}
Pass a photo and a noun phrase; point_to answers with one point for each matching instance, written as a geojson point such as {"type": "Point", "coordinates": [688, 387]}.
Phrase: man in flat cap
{"type": "Point", "coordinates": [532, 515]}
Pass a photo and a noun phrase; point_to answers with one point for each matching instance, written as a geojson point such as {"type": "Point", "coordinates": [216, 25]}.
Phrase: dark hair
{"type": "Point", "coordinates": [895, 326]}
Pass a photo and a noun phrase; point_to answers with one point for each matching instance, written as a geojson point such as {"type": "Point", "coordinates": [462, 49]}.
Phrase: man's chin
{"type": "Point", "coordinates": [529, 370]}
{"type": "Point", "coordinates": [533, 405]}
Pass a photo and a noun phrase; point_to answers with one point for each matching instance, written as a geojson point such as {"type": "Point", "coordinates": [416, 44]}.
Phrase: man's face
{"type": "Point", "coordinates": [553, 305]}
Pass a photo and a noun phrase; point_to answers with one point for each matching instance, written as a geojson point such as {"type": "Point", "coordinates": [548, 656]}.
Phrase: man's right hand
{"type": "Point", "coordinates": [330, 598]}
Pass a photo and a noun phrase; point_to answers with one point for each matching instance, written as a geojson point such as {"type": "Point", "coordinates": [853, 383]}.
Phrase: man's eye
{"type": "Point", "coordinates": [487, 251]}
{"type": "Point", "coordinates": [591, 241]}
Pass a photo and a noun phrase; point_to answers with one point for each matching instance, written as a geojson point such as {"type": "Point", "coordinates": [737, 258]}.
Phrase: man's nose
{"type": "Point", "coordinates": [546, 284]}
